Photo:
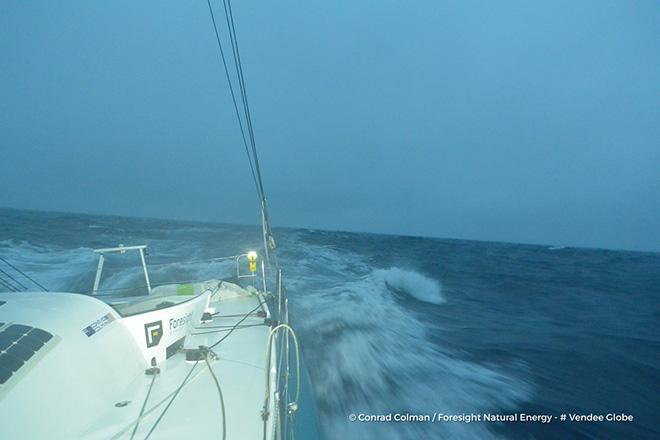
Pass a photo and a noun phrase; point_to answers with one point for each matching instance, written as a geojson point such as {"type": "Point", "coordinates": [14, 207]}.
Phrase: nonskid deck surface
{"type": "Point", "coordinates": [196, 410]}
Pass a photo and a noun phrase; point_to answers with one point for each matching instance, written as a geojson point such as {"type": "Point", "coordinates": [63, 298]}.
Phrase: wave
{"type": "Point", "coordinates": [72, 270]}
{"type": "Point", "coordinates": [377, 356]}
{"type": "Point", "coordinates": [411, 283]}
{"type": "Point", "coordinates": [57, 268]}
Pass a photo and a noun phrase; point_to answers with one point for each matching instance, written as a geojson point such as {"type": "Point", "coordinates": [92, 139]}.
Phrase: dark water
{"type": "Point", "coordinates": [415, 325]}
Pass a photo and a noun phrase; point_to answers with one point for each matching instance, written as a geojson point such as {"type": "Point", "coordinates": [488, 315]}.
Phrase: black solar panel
{"type": "Point", "coordinates": [4, 375]}
{"type": "Point", "coordinates": [18, 343]}
{"type": "Point", "coordinates": [31, 342]}
{"type": "Point", "coordinates": [18, 329]}
{"type": "Point", "coordinates": [5, 341]}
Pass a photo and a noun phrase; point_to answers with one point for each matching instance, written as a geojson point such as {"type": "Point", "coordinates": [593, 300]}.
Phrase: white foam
{"type": "Point", "coordinates": [370, 354]}
{"type": "Point", "coordinates": [72, 270]}
{"type": "Point", "coordinates": [54, 267]}
{"type": "Point", "coordinates": [413, 283]}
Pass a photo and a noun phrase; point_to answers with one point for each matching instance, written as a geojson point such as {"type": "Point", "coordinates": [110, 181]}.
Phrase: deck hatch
{"type": "Point", "coordinates": [18, 343]}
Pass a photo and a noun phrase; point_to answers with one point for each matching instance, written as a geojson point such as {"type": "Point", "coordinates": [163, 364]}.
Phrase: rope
{"type": "Point", "coordinates": [176, 393]}
{"type": "Point", "coordinates": [247, 315]}
{"type": "Point", "coordinates": [144, 405]}
{"type": "Point", "coordinates": [216, 315]}
{"type": "Point", "coordinates": [227, 327]}
{"type": "Point", "coordinates": [292, 407]}
{"type": "Point", "coordinates": [224, 330]}
{"type": "Point", "coordinates": [222, 400]}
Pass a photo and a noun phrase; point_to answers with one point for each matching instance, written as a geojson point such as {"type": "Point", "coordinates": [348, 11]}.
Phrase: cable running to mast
{"type": "Point", "coordinates": [251, 151]}
{"type": "Point", "coordinates": [233, 97]}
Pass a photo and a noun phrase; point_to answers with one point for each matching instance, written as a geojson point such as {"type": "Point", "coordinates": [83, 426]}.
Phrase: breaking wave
{"type": "Point", "coordinates": [377, 355]}
{"type": "Point", "coordinates": [55, 267]}
{"type": "Point", "coordinates": [411, 283]}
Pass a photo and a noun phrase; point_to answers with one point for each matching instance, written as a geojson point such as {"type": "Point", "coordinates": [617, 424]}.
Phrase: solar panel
{"type": "Point", "coordinates": [5, 341]}
{"type": "Point", "coordinates": [18, 329]}
{"type": "Point", "coordinates": [4, 375]}
{"type": "Point", "coordinates": [18, 343]}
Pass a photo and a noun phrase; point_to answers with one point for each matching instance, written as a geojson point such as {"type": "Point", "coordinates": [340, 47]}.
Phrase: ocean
{"type": "Point", "coordinates": [410, 327]}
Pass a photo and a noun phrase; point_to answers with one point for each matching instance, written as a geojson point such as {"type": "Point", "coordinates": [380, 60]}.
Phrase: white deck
{"type": "Point", "coordinates": [83, 382]}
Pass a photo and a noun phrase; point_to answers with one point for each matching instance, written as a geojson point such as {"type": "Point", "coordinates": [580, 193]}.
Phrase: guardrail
{"type": "Point", "coordinates": [122, 250]}
{"type": "Point", "coordinates": [251, 258]}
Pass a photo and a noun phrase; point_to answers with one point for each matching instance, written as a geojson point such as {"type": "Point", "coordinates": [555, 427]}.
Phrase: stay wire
{"type": "Point", "coordinates": [24, 274]}
{"type": "Point", "coordinates": [8, 286]}
{"type": "Point", "coordinates": [254, 158]}
{"type": "Point", "coordinates": [229, 15]}
{"type": "Point", "coordinates": [239, 68]}
{"type": "Point", "coordinates": [233, 98]}
{"type": "Point", "coordinates": [18, 283]}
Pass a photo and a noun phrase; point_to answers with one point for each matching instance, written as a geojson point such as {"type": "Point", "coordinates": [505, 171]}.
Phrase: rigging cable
{"type": "Point", "coordinates": [229, 16]}
{"type": "Point", "coordinates": [24, 274]}
{"type": "Point", "coordinates": [270, 242]}
{"type": "Point", "coordinates": [4, 282]}
{"type": "Point", "coordinates": [253, 158]}
{"type": "Point", "coordinates": [233, 98]}
{"type": "Point", "coordinates": [15, 281]}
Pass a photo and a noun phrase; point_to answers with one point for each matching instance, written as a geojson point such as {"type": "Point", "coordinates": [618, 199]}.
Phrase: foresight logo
{"type": "Point", "coordinates": [153, 332]}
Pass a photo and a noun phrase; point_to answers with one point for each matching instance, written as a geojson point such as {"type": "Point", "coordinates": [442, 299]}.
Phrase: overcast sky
{"type": "Point", "coordinates": [522, 121]}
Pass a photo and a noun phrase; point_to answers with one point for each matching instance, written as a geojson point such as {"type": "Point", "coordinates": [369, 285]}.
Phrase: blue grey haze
{"type": "Point", "coordinates": [496, 120]}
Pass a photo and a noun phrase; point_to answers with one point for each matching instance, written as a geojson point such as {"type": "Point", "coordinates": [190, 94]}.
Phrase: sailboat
{"type": "Point", "coordinates": [214, 358]}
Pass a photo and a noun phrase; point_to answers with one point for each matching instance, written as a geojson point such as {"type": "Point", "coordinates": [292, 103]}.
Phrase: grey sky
{"type": "Point", "coordinates": [498, 120]}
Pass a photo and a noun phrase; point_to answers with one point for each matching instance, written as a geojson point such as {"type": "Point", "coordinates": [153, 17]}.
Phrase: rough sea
{"type": "Point", "coordinates": [413, 326]}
